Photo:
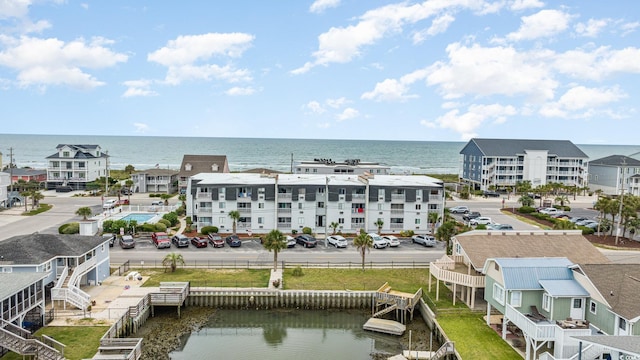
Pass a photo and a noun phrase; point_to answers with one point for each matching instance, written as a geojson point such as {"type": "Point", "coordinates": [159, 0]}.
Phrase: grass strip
{"type": "Point", "coordinates": [81, 342]}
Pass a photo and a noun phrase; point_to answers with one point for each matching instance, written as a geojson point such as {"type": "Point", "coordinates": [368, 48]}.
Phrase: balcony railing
{"type": "Point", "coordinates": [205, 210]}
{"type": "Point", "coordinates": [543, 330]}
{"type": "Point", "coordinates": [284, 211]}
{"type": "Point", "coordinates": [284, 196]}
{"type": "Point", "coordinates": [244, 210]}
{"type": "Point", "coordinates": [203, 195]}
{"type": "Point", "coordinates": [394, 226]}
{"type": "Point", "coordinates": [397, 211]}
{"type": "Point", "coordinates": [284, 225]}
{"type": "Point", "coordinates": [440, 272]}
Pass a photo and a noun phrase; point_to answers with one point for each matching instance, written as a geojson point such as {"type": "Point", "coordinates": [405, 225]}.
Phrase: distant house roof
{"type": "Point", "coordinates": [480, 245]}
{"type": "Point", "coordinates": [16, 281]}
{"type": "Point", "coordinates": [262, 171]}
{"type": "Point", "coordinates": [619, 284]}
{"type": "Point", "coordinates": [511, 147]}
{"type": "Point", "coordinates": [82, 152]}
{"type": "Point", "coordinates": [196, 164]}
{"type": "Point", "coordinates": [26, 172]}
{"type": "Point", "coordinates": [615, 161]}
{"type": "Point", "coordinates": [629, 344]}
{"type": "Point", "coordinates": [157, 172]}
{"type": "Point", "coordinates": [36, 248]}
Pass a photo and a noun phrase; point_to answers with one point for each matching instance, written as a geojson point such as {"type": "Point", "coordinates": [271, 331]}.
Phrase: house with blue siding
{"type": "Point", "coordinates": [500, 163]}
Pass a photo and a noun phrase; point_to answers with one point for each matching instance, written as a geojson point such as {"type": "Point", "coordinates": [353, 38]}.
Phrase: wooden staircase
{"type": "Point", "coordinates": [386, 310]}
{"type": "Point", "coordinates": [447, 348]}
{"type": "Point", "coordinates": [21, 341]}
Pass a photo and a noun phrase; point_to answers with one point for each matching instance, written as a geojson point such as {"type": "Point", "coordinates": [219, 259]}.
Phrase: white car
{"type": "Point", "coordinates": [424, 240]}
{"type": "Point", "coordinates": [481, 220]}
{"type": "Point", "coordinates": [378, 241]}
{"type": "Point", "coordinates": [337, 241]}
{"type": "Point", "coordinates": [392, 240]}
{"type": "Point", "coordinates": [551, 211]}
{"type": "Point", "coordinates": [291, 241]}
{"type": "Point", "coordinates": [459, 210]}
{"type": "Point", "coordinates": [109, 203]}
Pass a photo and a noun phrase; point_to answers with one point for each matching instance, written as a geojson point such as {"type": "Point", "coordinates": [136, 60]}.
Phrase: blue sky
{"type": "Point", "coordinates": [437, 70]}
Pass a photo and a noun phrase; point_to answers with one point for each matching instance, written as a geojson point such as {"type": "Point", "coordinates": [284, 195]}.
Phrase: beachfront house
{"type": "Point", "coordinates": [332, 167]}
{"type": "Point", "coordinates": [290, 202]}
{"type": "Point", "coordinates": [615, 173]}
{"type": "Point", "coordinates": [74, 166]}
{"type": "Point", "coordinates": [67, 262]}
{"type": "Point", "coordinates": [463, 270]}
{"type": "Point", "coordinates": [163, 181]}
{"type": "Point", "coordinates": [551, 303]}
{"type": "Point", "coordinates": [196, 164]}
{"type": "Point", "coordinates": [500, 163]}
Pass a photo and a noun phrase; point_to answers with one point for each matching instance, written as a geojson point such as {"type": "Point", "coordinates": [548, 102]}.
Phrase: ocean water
{"type": "Point", "coordinates": [143, 152]}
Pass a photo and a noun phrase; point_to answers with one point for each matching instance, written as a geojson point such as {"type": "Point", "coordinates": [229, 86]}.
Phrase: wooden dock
{"type": "Point", "coordinates": [387, 301]}
{"type": "Point", "coordinates": [171, 294]}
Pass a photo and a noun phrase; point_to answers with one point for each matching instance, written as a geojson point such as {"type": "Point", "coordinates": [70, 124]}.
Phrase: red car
{"type": "Point", "coordinates": [199, 242]}
{"type": "Point", "coordinates": [216, 240]}
{"type": "Point", "coordinates": [161, 240]}
{"type": "Point", "coordinates": [122, 202]}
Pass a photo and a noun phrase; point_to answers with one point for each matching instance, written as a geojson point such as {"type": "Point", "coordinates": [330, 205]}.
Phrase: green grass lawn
{"type": "Point", "coordinates": [208, 277]}
{"type": "Point", "coordinates": [408, 280]}
{"type": "Point", "coordinates": [81, 341]}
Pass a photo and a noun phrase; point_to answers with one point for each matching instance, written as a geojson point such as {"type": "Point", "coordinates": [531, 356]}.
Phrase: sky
{"type": "Point", "coordinates": [436, 70]}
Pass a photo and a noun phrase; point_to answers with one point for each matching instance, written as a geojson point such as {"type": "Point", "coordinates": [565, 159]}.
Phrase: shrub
{"type": "Point", "coordinates": [172, 217]}
{"type": "Point", "coordinates": [188, 220]}
{"type": "Point", "coordinates": [297, 271]}
{"type": "Point", "coordinates": [294, 231]}
{"type": "Point", "coordinates": [147, 227]}
{"type": "Point", "coordinates": [586, 230]}
{"type": "Point", "coordinates": [206, 230]}
{"type": "Point", "coordinates": [307, 230]}
{"type": "Point", "coordinates": [181, 211]}
{"type": "Point", "coordinates": [481, 227]}
{"type": "Point", "coordinates": [62, 228]}
{"type": "Point", "coordinates": [526, 210]}
{"type": "Point", "coordinates": [160, 227]}
{"type": "Point", "coordinates": [406, 233]}
{"type": "Point", "coordinates": [70, 228]}
{"type": "Point", "coordinates": [166, 222]}
{"type": "Point", "coordinates": [567, 208]}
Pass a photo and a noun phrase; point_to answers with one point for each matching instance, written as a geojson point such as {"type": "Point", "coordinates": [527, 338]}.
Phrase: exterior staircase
{"type": "Point", "coordinates": [386, 310]}
{"type": "Point", "coordinates": [446, 349]}
{"type": "Point", "coordinates": [21, 341]}
{"type": "Point", "coordinates": [66, 288]}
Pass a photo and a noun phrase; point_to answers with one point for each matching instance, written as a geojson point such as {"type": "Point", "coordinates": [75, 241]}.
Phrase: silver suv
{"type": "Point", "coordinates": [180, 240]}
{"type": "Point", "coordinates": [425, 240]}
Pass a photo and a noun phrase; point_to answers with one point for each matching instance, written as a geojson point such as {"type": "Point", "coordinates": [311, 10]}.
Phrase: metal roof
{"type": "Point", "coordinates": [616, 160]}
{"type": "Point", "coordinates": [526, 273]}
{"type": "Point", "coordinates": [16, 281]}
{"type": "Point", "coordinates": [630, 345]}
{"type": "Point", "coordinates": [563, 288]}
{"type": "Point", "coordinates": [512, 147]}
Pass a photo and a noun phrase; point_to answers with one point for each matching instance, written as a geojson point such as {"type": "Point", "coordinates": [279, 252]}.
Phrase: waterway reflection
{"type": "Point", "coordinates": [281, 334]}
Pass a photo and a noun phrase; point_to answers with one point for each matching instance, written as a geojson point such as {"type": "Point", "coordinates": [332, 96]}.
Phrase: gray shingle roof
{"type": "Point", "coordinates": [16, 281]}
{"type": "Point", "coordinates": [82, 152]}
{"type": "Point", "coordinates": [619, 284]}
{"type": "Point", "coordinates": [511, 147]}
{"type": "Point", "coordinates": [157, 172]}
{"type": "Point", "coordinates": [38, 248]}
{"type": "Point", "coordinates": [202, 164]}
{"type": "Point", "coordinates": [615, 160]}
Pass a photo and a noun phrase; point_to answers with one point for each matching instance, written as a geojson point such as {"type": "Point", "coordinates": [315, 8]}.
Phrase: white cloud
{"type": "Point", "coordinates": [348, 113]}
{"type": "Point", "coordinates": [343, 44]}
{"type": "Point", "coordinates": [519, 5]}
{"type": "Point", "coordinates": [395, 90]}
{"type": "Point", "coordinates": [628, 28]}
{"type": "Point", "coordinates": [581, 101]}
{"type": "Point", "coordinates": [467, 123]}
{"type": "Point", "coordinates": [179, 74]}
{"type": "Point", "coordinates": [43, 62]}
{"type": "Point", "coordinates": [141, 127]}
{"type": "Point", "coordinates": [138, 88]}
{"type": "Point", "coordinates": [597, 64]}
{"type": "Point", "coordinates": [438, 25]}
{"type": "Point", "coordinates": [320, 6]}
{"type": "Point", "coordinates": [84, 6]}
{"type": "Point", "coordinates": [337, 103]}
{"type": "Point", "coordinates": [315, 107]}
{"type": "Point", "coordinates": [485, 71]}
{"type": "Point", "coordinates": [592, 28]}
{"type": "Point", "coordinates": [545, 23]}
{"type": "Point", "coordinates": [14, 8]}
{"type": "Point", "coordinates": [240, 91]}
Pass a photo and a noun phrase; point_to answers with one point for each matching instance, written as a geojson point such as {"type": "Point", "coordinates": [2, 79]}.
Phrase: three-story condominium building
{"type": "Point", "coordinates": [75, 166]}
{"type": "Point", "coordinates": [293, 201]}
{"type": "Point", "coordinates": [349, 166]}
{"type": "Point", "coordinates": [500, 163]}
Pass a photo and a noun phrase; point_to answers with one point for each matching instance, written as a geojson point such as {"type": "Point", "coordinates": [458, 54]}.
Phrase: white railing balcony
{"type": "Point", "coordinates": [440, 273]}
{"type": "Point", "coordinates": [540, 331]}
{"type": "Point", "coordinates": [284, 225]}
{"type": "Point", "coordinates": [81, 270]}
{"type": "Point", "coordinates": [357, 210]}
{"type": "Point", "coordinates": [284, 211]}
{"type": "Point", "coordinates": [397, 211]}
{"type": "Point", "coordinates": [284, 196]}
{"type": "Point", "coordinates": [244, 210]}
{"type": "Point", "coordinates": [397, 197]}
{"type": "Point", "coordinates": [205, 210]}
{"type": "Point", "coordinates": [394, 226]}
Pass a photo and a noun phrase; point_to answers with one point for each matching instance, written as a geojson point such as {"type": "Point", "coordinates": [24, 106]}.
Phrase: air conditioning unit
{"type": "Point", "coordinates": [381, 198]}
{"type": "Point", "coordinates": [301, 212]}
{"type": "Point", "coordinates": [380, 213]}
{"type": "Point", "coordinates": [341, 212]}
{"type": "Point", "coordinates": [341, 197]}
{"type": "Point", "coordinates": [418, 213]}
{"type": "Point", "coordinates": [261, 197]}
{"type": "Point", "coordinates": [221, 211]}
{"type": "Point", "coordinates": [418, 198]}
{"type": "Point", "coordinates": [260, 226]}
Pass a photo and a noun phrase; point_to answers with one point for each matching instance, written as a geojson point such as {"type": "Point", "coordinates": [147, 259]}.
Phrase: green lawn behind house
{"type": "Point", "coordinates": [81, 341]}
{"type": "Point", "coordinates": [208, 277]}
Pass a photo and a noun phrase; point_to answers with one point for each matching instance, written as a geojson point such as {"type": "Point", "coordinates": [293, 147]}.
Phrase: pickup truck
{"type": "Point", "coordinates": [551, 211]}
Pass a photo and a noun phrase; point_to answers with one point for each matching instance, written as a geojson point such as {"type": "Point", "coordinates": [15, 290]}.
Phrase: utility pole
{"type": "Point", "coordinates": [623, 163]}
{"type": "Point", "coordinates": [106, 175]}
{"type": "Point", "coordinates": [11, 176]}
{"type": "Point", "coordinates": [326, 211]}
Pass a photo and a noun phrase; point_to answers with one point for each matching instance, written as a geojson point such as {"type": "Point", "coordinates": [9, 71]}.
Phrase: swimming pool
{"type": "Point", "coordinates": [139, 217]}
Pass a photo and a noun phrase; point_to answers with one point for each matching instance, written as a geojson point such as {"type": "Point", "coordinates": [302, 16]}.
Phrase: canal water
{"type": "Point", "coordinates": [281, 334]}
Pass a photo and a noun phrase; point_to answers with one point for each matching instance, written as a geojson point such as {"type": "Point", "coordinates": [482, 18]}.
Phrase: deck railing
{"type": "Point", "coordinates": [455, 277]}
{"type": "Point", "coordinates": [543, 330]}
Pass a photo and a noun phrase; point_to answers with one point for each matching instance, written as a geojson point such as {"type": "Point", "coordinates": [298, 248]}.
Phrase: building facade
{"type": "Point", "coordinates": [350, 167]}
{"type": "Point", "coordinates": [615, 173]}
{"type": "Point", "coordinates": [499, 163]}
{"type": "Point", "coordinates": [27, 175]}
{"type": "Point", "coordinates": [155, 181]}
{"type": "Point", "coordinates": [290, 202]}
{"type": "Point", "coordinates": [196, 164]}
{"type": "Point", "coordinates": [76, 165]}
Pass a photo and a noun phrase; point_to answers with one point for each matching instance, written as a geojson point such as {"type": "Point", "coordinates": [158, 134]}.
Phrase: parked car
{"type": "Point", "coordinates": [471, 215]}
{"type": "Point", "coordinates": [180, 240]}
{"type": "Point", "coordinates": [378, 241]}
{"type": "Point", "coordinates": [577, 219]}
{"type": "Point", "coordinates": [126, 192]}
{"type": "Point", "coordinates": [215, 240]}
{"type": "Point", "coordinates": [306, 240]}
{"type": "Point", "coordinates": [490, 194]}
{"type": "Point", "coordinates": [480, 220]}
{"type": "Point", "coordinates": [337, 240]}
{"type": "Point", "coordinates": [199, 242]}
{"type": "Point", "coordinates": [233, 240]}
{"type": "Point", "coordinates": [291, 241]}
{"type": "Point", "coordinates": [112, 238]}
{"type": "Point", "coordinates": [584, 222]}
{"type": "Point", "coordinates": [127, 242]}
{"type": "Point", "coordinates": [109, 203]}
{"type": "Point", "coordinates": [551, 211]}
{"type": "Point", "coordinates": [459, 210]}
{"type": "Point", "coordinates": [392, 240]}
{"type": "Point", "coordinates": [499, 227]}
{"type": "Point", "coordinates": [424, 240]}
{"type": "Point", "coordinates": [561, 216]}
{"type": "Point", "coordinates": [122, 202]}
{"type": "Point", "coordinates": [157, 203]}
{"type": "Point", "coordinates": [161, 240]}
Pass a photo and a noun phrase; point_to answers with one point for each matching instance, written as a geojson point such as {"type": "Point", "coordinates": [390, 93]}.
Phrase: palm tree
{"type": "Point", "coordinates": [129, 185]}
{"type": "Point", "coordinates": [117, 187]}
{"type": "Point", "coordinates": [562, 199]}
{"type": "Point", "coordinates": [379, 224]}
{"type": "Point", "coordinates": [84, 212]}
{"type": "Point", "coordinates": [25, 195]}
{"type": "Point", "coordinates": [433, 218]}
{"type": "Point", "coordinates": [166, 198]}
{"type": "Point", "coordinates": [526, 200]}
{"type": "Point", "coordinates": [275, 241]}
{"type": "Point", "coordinates": [234, 215]}
{"type": "Point", "coordinates": [334, 225]}
{"type": "Point", "coordinates": [363, 244]}
{"type": "Point", "coordinates": [172, 260]}
{"type": "Point", "coordinates": [183, 198]}
{"type": "Point", "coordinates": [445, 233]}
{"type": "Point", "coordinates": [564, 225]}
